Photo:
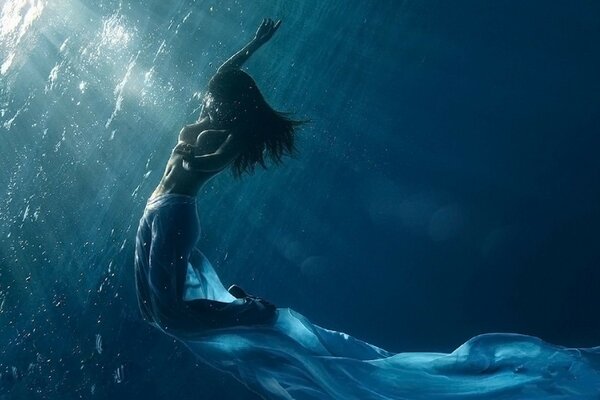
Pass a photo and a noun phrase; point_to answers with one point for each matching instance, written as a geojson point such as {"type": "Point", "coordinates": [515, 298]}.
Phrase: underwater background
{"type": "Point", "coordinates": [446, 186]}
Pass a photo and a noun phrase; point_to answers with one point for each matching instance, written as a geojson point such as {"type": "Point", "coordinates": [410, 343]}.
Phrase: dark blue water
{"type": "Point", "coordinates": [447, 185]}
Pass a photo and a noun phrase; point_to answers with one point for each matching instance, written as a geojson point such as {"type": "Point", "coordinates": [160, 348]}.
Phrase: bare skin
{"type": "Point", "coordinates": [202, 151]}
{"type": "Point", "coordinates": [213, 151]}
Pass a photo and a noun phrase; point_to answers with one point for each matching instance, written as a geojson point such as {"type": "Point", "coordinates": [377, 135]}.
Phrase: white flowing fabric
{"type": "Point", "coordinates": [295, 359]}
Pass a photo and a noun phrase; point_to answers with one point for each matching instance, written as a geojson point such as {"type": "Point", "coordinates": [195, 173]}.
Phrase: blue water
{"type": "Point", "coordinates": [446, 187]}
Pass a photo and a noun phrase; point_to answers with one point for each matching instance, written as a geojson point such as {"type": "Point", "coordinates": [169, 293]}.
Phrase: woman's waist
{"type": "Point", "coordinates": [179, 182]}
{"type": "Point", "coordinates": [162, 199]}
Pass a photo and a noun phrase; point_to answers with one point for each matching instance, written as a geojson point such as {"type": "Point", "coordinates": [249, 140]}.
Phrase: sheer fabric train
{"type": "Point", "coordinates": [296, 359]}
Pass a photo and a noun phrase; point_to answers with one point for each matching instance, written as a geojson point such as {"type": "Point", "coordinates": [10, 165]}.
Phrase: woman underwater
{"type": "Point", "coordinates": [235, 127]}
{"type": "Point", "coordinates": [277, 352]}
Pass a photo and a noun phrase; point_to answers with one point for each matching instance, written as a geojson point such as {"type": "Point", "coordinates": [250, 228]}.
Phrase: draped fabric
{"type": "Point", "coordinates": [296, 359]}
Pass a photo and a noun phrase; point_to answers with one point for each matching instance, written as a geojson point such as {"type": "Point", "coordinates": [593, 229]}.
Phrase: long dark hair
{"type": "Point", "coordinates": [266, 133]}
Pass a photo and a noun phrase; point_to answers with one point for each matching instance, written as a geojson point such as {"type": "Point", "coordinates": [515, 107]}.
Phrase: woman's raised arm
{"type": "Point", "coordinates": [264, 33]}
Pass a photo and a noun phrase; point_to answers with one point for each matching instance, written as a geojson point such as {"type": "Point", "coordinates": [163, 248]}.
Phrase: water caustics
{"type": "Point", "coordinates": [293, 359]}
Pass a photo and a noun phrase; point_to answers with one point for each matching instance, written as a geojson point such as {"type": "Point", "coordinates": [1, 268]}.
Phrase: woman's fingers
{"type": "Point", "coordinates": [183, 149]}
{"type": "Point", "coordinates": [267, 28]}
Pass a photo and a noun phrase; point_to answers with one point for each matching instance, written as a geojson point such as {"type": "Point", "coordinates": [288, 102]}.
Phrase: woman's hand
{"type": "Point", "coordinates": [184, 149]}
{"type": "Point", "coordinates": [265, 31]}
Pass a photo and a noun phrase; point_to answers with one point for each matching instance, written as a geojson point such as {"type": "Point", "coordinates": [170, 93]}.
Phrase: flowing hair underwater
{"type": "Point", "coordinates": [268, 134]}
